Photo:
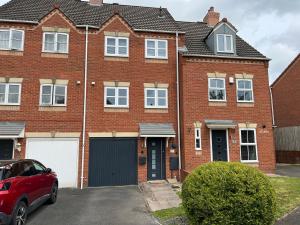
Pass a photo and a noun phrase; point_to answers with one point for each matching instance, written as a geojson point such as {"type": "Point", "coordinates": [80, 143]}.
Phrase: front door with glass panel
{"type": "Point", "coordinates": [219, 145]}
{"type": "Point", "coordinates": [156, 159]}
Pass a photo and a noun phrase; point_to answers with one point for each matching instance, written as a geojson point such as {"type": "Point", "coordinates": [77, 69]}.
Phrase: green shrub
{"type": "Point", "coordinates": [228, 194]}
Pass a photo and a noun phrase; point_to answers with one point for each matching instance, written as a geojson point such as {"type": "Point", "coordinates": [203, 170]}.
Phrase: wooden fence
{"type": "Point", "coordinates": [287, 139]}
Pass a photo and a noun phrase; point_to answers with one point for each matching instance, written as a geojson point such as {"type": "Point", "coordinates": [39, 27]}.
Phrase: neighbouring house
{"type": "Point", "coordinates": [286, 92]}
{"type": "Point", "coordinates": [110, 94]}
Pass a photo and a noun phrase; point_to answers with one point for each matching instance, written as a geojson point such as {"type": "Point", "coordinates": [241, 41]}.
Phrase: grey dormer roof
{"type": "Point", "coordinates": [220, 124]}
{"type": "Point", "coordinates": [12, 129]}
{"type": "Point", "coordinates": [82, 13]}
{"type": "Point", "coordinates": [157, 130]}
{"type": "Point", "coordinates": [196, 33]}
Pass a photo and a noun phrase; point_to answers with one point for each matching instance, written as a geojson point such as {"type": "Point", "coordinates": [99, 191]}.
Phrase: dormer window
{"type": "Point", "coordinates": [224, 43]}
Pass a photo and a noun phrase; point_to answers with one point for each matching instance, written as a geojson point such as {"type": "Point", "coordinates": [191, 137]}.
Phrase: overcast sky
{"type": "Point", "coordinates": [271, 26]}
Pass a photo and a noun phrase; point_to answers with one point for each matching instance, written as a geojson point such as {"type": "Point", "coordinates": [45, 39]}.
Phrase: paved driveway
{"type": "Point", "coordinates": [288, 170]}
{"type": "Point", "coordinates": [101, 206]}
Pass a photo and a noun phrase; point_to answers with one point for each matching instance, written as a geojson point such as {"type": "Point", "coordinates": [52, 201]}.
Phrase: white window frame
{"type": "Point", "coordinates": [156, 106]}
{"type": "Point", "coordinates": [7, 92]}
{"type": "Point", "coordinates": [226, 50]}
{"type": "Point", "coordinates": [53, 87]}
{"type": "Point", "coordinates": [55, 42]}
{"type": "Point", "coordinates": [244, 89]}
{"type": "Point", "coordinates": [198, 137]}
{"type": "Point", "coordinates": [116, 97]}
{"type": "Point", "coordinates": [10, 40]}
{"type": "Point", "coordinates": [116, 46]}
{"type": "Point", "coordinates": [225, 95]}
{"type": "Point", "coordinates": [248, 144]}
{"type": "Point", "coordinates": [156, 49]}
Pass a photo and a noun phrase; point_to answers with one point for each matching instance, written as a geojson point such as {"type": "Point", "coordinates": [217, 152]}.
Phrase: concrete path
{"type": "Point", "coordinates": [160, 195]}
{"type": "Point", "coordinates": [288, 170]}
{"type": "Point", "coordinates": [101, 206]}
{"type": "Point", "coordinates": [291, 219]}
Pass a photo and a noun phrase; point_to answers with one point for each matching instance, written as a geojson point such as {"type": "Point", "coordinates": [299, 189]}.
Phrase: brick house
{"type": "Point", "coordinates": [286, 92]}
{"type": "Point", "coordinates": [95, 91]}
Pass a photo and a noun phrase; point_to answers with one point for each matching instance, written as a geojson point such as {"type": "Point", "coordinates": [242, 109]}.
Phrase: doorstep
{"type": "Point", "coordinates": [160, 195]}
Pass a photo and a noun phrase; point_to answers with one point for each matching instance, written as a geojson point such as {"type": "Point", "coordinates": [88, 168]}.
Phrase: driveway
{"type": "Point", "coordinates": [97, 206]}
{"type": "Point", "coordinates": [288, 170]}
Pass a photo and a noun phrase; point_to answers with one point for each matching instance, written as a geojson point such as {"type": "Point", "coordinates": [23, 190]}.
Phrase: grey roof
{"type": "Point", "coordinates": [196, 33]}
{"type": "Point", "coordinates": [138, 17]}
{"type": "Point", "coordinates": [82, 13]}
{"type": "Point", "coordinates": [156, 129]}
{"type": "Point", "coordinates": [13, 129]}
{"type": "Point", "coordinates": [220, 123]}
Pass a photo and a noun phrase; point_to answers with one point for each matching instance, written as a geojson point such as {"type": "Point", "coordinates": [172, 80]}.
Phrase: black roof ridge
{"type": "Point", "coordinates": [150, 7]}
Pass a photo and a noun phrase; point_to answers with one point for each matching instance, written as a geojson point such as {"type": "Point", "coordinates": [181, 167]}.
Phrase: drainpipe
{"type": "Point", "coordinates": [84, 103]}
{"type": "Point", "coordinates": [178, 102]}
{"type": "Point", "coordinates": [272, 107]}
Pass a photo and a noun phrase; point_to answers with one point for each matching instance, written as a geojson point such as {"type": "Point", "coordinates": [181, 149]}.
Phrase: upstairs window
{"type": "Point", "coordinates": [217, 90]}
{"type": "Point", "coordinates": [53, 95]}
{"type": "Point", "coordinates": [248, 145]}
{"type": "Point", "coordinates": [55, 42]}
{"type": "Point", "coordinates": [11, 39]}
{"type": "Point", "coordinates": [244, 90]}
{"type": "Point", "coordinates": [116, 46]}
{"type": "Point", "coordinates": [10, 94]}
{"type": "Point", "coordinates": [224, 43]}
{"type": "Point", "coordinates": [117, 97]}
{"type": "Point", "coordinates": [157, 49]}
{"type": "Point", "coordinates": [156, 98]}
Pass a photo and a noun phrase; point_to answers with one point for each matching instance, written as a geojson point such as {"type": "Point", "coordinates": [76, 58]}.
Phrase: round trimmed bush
{"type": "Point", "coordinates": [222, 193]}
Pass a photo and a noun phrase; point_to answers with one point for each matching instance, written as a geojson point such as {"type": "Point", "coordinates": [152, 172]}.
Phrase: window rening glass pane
{"type": "Point", "coordinates": [13, 93]}
{"type": "Point", "coordinates": [117, 96]}
{"type": "Point", "coordinates": [216, 89]}
{"type": "Point", "coordinates": [46, 94]}
{"type": "Point", "coordinates": [156, 49]}
{"type": "Point", "coordinates": [60, 95]}
{"type": "Point", "coordinates": [228, 43]}
{"type": "Point", "coordinates": [245, 91]}
{"type": "Point", "coordinates": [62, 43]}
{"type": "Point", "coordinates": [2, 93]}
{"type": "Point", "coordinates": [17, 39]}
{"type": "Point", "coordinates": [117, 46]}
{"type": "Point", "coordinates": [248, 145]}
{"type": "Point", "coordinates": [221, 43]}
{"type": "Point", "coordinates": [50, 42]}
{"type": "Point", "coordinates": [4, 39]}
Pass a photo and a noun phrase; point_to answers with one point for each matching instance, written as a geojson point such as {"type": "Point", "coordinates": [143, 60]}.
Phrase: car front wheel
{"type": "Point", "coordinates": [20, 214]}
{"type": "Point", "coordinates": [53, 194]}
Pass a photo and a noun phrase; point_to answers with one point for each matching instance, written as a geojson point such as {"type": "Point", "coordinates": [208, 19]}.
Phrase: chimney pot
{"type": "Point", "coordinates": [212, 17]}
{"type": "Point", "coordinates": [96, 2]}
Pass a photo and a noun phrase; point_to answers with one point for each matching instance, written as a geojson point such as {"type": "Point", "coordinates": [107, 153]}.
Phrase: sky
{"type": "Point", "coordinates": [271, 26]}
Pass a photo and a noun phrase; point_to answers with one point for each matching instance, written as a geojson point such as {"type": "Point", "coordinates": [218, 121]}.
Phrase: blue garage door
{"type": "Point", "coordinates": [112, 162]}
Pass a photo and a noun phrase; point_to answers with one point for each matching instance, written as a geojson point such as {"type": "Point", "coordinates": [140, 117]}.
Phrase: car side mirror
{"type": "Point", "coordinates": [48, 170]}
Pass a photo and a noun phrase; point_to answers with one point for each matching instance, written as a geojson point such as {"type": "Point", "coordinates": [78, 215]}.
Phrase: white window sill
{"type": "Point", "coordinates": [159, 58]}
{"type": "Point", "coordinates": [11, 50]}
{"type": "Point", "coordinates": [121, 56]}
{"type": "Point", "coordinates": [48, 106]}
{"type": "Point", "coordinates": [250, 161]}
{"type": "Point", "coordinates": [7, 104]}
{"type": "Point", "coordinates": [116, 107]}
{"type": "Point", "coordinates": [223, 101]}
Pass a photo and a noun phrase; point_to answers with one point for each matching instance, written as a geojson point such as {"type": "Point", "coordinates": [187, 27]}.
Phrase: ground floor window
{"type": "Point", "coordinates": [197, 138]}
{"type": "Point", "coordinates": [248, 145]}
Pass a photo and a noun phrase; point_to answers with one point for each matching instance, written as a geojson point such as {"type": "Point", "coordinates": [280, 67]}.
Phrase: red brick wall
{"type": "Point", "coordinates": [195, 107]}
{"type": "Point", "coordinates": [32, 67]}
{"type": "Point", "coordinates": [286, 94]}
{"type": "Point", "coordinates": [136, 70]}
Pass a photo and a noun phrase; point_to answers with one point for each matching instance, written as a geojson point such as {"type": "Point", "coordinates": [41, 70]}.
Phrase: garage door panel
{"type": "Point", "coordinates": [113, 161]}
{"type": "Point", "coordinates": [61, 155]}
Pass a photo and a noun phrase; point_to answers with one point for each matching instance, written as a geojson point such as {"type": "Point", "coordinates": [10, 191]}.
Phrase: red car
{"type": "Point", "coordinates": [24, 186]}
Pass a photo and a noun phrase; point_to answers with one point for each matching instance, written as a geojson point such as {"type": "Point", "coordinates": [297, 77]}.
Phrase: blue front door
{"type": "Point", "coordinates": [156, 159]}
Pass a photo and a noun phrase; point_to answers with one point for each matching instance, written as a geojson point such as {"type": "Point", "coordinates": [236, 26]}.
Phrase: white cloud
{"type": "Point", "coordinates": [270, 26]}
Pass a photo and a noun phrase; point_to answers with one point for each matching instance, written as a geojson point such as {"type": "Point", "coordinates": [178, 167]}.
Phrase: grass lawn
{"type": "Point", "coordinates": [287, 194]}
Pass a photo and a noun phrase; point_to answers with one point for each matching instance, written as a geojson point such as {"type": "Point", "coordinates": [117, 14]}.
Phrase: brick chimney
{"type": "Point", "coordinates": [212, 17]}
{"type": "Point", "coordinates": [96, 2]}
